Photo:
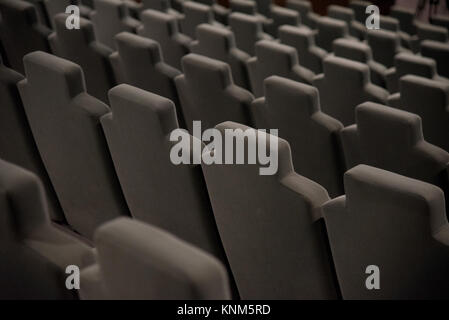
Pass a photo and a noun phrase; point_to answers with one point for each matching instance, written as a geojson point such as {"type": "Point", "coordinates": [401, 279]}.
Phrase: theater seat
{"type": "Point", "coordinates": [392, 140]}
{"type": "Point", "coordinates": [440, 20]}
{"type": "Point", "coordinates": [329, 29]}
{"type": "Point", "coordinates": [208, 93]}
{"type": "Point", "coordinates": [34, 253]}
{"type": "Point", "coordinates": [439, 52]}
{"type": "Point", "coordinates": [275, 59]}
{"type": "Point", "coordinates": [361, 52]}
{"type": "Point", "coordinates": [294, 109]}
{"type": "Point", "coordinates": [303, 40]}
{"type": "Point", "coordinates": [356, 29]}
{"type": "Point", "coordinates": [427, 31]}
{"type": "Point", "coordinates": [344, 85]}
{"type": "Point", "coordinates": [81, 47]}
{"type": "Point", "coordinates": [111, 17]}
{"type": "Point", "coordinates": [219, 43]}
{"type": "Point", "coordinates": [304, 8]}
{"type": "Point", "coordinates": [16, 140]}
{"type": "Point", "coordinates": [359, 8]}
{"type": "Point", "coordinates": [408, 41]}
{"type": "Point", "coordinates": [430, 100]}
{"type": "Point", "coordinates": [163, 28]}
{"type": "Point", "coordinates": [221, 13]}
{"type": "Point", "coordinates": [396, 224]}
{"type": "Point", "coordinates": [20, 32]}
{"type": "Point", "coordinates": [195, 14]}
{"type": "Point", "coordinates": [270, 224]}
{"type": "Point", "coordinates": [142, 123]}
{"type": "Point", "coordinates": [140, 61]}
{"type": "Point", "coordinates": [405, 64]}
{"type": "Point", "coordinates": [137, 261]}
{"type": "Point", "coordinates": [385, 45]}
{"type": "Point", "coordinates": [64, 121]}
{"type": "Point", "coordinates": [248, 29]}
{"type": "Point", "coordinates": [406, 18]}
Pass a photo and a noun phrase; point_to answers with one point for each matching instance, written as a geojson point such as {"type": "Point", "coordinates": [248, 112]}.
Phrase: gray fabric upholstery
{"type": "Point", "coordinates": [396, 223]}
{"type": "Point", "coordinates": [110, 18]}
{"type": "Point", "coordinates": [283, 16]}
{"type": "Point", "coordinates": [243, 6]}
{"type": "Point", "coordinates": [361, 52]}
{"type": "Point", "coordinates": [272, 16]}
{"type": "Point", "coordinates": [16, 140]}
{"type": "Point", "coordinates": [250, 7]}
{"type": "Point", "coordinates": [440, 20]}
{"type": "Point", "coordinates": [406, 63]}
{"type": "Point", "coordinates": [303, 40]}
{"type": "Point", "coordinates": [221, 13]}
{"type": "Point", "coordinates": [439, 52]}
{"type": "Point", "coordinates": [142, 65]}
{"type": "Point", "coordinates": [430, 100]}
{"type": "Point", "coordinates": [341, 13]}
{"type": "Point", "coordinates": [219, 43]}
{"type": "Point", "coordinates": [389, 23]}
{"type": "Point", "coordinates": [392, 24]}
{"type": "Point", "coordinates": [330, 29]}
{"type": "Point", "coordinates": [264, 7]}
{"type": "Point", "coordinates": [139, 261]}
{"type": "Point", "coordinates": [33, 252]}
{"type": "Point", "coordinates": [384, 45]}
{"type": "Point", "coordinates": [163, 28]}
{"type": "Point", "coordinates": [294, 109]}
{"type": "Point", "coordinates": [344, 85]}
{"type": "Point", "coordinates": [270, 226]}
{"type": "Point", "coordinates": [207, 93]}
{"type": "Point", "coordinates": [194, 15]}
{"type": "Point", "coordinates": [275, 59]}
{"type": "Point", "coordinates": [304, 8]}
{"type": "Point", "coordinates": [140, 124]}
{"type": "Point", "coordinates": [356, 29]}
{"type": "Point", "coordinates": [81, 47]}
{"type": "Point", "coordinates": [20, 32]}
{"type": "Point", "coordinates": [406, 17]}
{"type": "Point", "coordinates": [359, 8]}
{"type": "Point", "coordinates": [427, 31]}
{"type": "Point", "coordinates": [51, 8]}
{"type": "Point", "coordinates": [161, 5]}
{"type": "Point", "coordinates": [64, 120]}
{"type": "Point", "coordinates": [393, 140]}
{"type": "Point", "coordinates": [248, 29]}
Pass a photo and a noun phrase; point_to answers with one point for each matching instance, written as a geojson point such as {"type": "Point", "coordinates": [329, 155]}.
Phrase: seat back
{"type": "Point", "coordinates": [344, 85]}
{"type": "Point", "coordinates": [330, 29]}
{"type": "Point", "coordinates": [277, 234]}
{"type": "Point", "coordinates": [275, 59]}
{"type": "Point", "coordinates": [81, 47]}
{"type": "Point", "coordinates": [392, 225]}
{"type": "Point", "coordinates": [163, 28]}
{"type": "Point", "coordinates": [219, 43]}
{"type": "Point", "coordinates": [64, 122]}
{"type": "Point", "coordinates": [20, 32]}
{"type": "Point", "coordinates": [208, 94]}
{"type": "Point", "coordinates": [247, 31]}
{"type": "Point", "coordinates": [294, 109]}
{"type": "Point", "coordinates": [430, 100]}
{"type": "Point", "coordinates": [110, 18]}
{"type": "Point", "coordinates": [141, 262]}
